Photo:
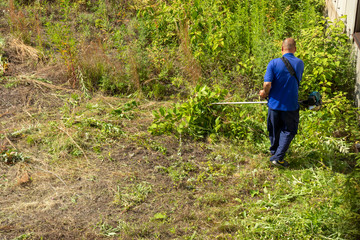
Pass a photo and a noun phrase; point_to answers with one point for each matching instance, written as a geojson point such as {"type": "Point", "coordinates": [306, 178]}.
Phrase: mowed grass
{"type": "Point", "coordinates": [94, 167]}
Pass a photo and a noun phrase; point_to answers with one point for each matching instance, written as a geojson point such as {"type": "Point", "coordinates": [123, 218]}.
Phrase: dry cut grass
{"type": "Point", "coordinates": [19, 52]}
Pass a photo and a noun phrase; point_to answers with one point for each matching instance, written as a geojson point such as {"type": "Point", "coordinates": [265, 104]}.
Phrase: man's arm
{"type": "Point", "coordinates": [265, 92]}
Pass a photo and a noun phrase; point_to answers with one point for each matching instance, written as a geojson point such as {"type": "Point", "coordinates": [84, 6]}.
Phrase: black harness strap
{"type": "Point", "coordinates": [291, 69]}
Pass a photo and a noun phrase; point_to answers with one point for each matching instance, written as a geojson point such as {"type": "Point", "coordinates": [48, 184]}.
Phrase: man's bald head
{"type": "Point", "coordinates": [288, 46]}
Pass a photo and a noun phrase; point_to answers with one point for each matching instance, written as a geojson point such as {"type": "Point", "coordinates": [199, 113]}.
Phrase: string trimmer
{"type": "Point", "coordinates": [314, 100]}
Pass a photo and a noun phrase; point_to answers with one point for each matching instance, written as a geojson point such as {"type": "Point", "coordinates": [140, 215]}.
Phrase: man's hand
{"type": "Point", "coordinates": [262, 94]}
{"type": "Point", "coordinates": [265, 92]}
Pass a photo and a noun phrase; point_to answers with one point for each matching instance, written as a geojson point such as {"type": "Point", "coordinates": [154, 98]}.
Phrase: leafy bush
{"type": "Point", "coordinates": [327, 135]}
{"type": "Point", "coordinates": [196, 118]}
{"type": "Point", "coordinates": [199, 118]}
{"type": "Point", "coordinates": [326, 52]}
{"type": "Point", "coordinates": [227, 38]}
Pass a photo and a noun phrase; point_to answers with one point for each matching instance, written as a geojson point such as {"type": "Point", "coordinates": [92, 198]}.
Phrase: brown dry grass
{"type": "Point", "coordinates": [19, 52]}
{"type": "Point", "coordinates": [18, 19]}
{"type": "Point", "coordinates": [191, 67]}
{"type": "Point", "coordinates": [94, 63]}
{"type": "Point", "coordinates": [54, 72]}
{"type": "Point", "coordinates": [21, 57]}
{"type": "Point", "coordinates": [134, 68]}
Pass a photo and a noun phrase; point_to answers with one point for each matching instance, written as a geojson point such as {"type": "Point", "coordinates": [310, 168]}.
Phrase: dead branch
{"type": "Point", "coordinates": [7, 139]}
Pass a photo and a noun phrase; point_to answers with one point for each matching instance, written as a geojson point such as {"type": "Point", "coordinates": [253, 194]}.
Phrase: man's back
{"type": "Point", "coordinates": [283, 95]}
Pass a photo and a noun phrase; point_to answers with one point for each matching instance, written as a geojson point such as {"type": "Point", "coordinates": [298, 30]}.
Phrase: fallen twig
{"type": "Point", "coordinates": [6, 113]}
{"type": "Point", "coordinates": [7, 139]}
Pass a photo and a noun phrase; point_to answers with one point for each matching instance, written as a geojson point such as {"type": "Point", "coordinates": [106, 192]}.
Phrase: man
{"type": "Point", "coordinates": [282, 90]}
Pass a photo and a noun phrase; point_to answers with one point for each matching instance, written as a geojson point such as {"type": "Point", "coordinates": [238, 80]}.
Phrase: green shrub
{"type": "Point", "coordinates": [329, 64]}
{"type": "Point", "coordinates": [326, 136]}
{"type": "Point", "coordinates": [196, 117]}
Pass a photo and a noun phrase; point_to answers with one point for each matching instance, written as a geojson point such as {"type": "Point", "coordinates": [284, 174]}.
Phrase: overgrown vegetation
{"type": "Point", "coordinates": [194, 170]}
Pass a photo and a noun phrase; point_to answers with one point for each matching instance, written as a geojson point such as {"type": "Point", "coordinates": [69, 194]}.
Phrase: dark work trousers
{"type": "Point", "coordinates": [282, 127]}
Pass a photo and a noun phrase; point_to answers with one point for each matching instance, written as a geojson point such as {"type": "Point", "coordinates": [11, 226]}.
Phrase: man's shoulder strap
{"type": "Point", "coordinates": [290, 68]}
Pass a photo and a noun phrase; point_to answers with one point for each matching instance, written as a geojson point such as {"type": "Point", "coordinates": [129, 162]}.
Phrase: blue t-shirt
{"type": "Point", "coordinates": [284, 94]}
